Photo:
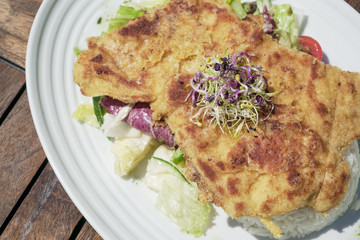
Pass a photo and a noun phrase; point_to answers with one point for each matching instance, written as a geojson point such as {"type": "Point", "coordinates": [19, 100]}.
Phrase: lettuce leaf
{"type": "Point", "coordinates": [237, 7]}
{"type": "Point", "coordinates": [285, 18]}
{"type": "Point", "coordinates": [124, 15]}
{"type": "Point", "coordinates": [261, 4]}
{"type": "Point", "coordinates": [85, 114]}
{"type": "Point", "coordinates": [177, 198]}
{"type": "Point", "coordinates": [129, 152]}
{"type": "Point", "coordinates": [287, 39]}
{"type": "Point", "coordinates": [287, 30]}
{"type": "Point", "coordinates": [129, 11]}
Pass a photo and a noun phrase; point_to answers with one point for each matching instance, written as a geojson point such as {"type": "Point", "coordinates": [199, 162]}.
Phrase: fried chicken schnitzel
{"type": "Point", "coordinates": [292, 160]}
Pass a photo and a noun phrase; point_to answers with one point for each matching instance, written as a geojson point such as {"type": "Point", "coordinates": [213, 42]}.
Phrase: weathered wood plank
{"type": "Point", "coordinates": [355, 4]}
{"type": "Point", "coordinates": [21, 155]}
{"type": "Point", "coordinates": [16, 17]}
{"type": "Point", "coordinates": [46, 213]}
{"type": "Point", "coordinates": [11, 81]}
{"type": "Point", "coordinates": [88, 232]}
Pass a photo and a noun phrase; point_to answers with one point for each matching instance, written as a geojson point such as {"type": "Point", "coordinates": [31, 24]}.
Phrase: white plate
{"type": "Point", "coordinates": [124, 208]}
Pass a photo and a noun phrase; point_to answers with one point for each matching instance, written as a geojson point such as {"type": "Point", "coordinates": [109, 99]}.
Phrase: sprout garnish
{"type": "Point", "coordinates": [232, 93]}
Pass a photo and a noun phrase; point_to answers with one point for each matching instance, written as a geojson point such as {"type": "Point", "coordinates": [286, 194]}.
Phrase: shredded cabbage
{"type": "Point", "coordinates": [129, 152]}
{"type": "Point", "coordinates": [114, 126]}
{"type": "Point", "coordinates": [177, 199]}
{"type": "Point", "coordinates": [85, 114]}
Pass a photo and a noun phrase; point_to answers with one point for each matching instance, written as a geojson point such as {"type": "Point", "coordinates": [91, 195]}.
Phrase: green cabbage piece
{"type": "Point", "coordinates": [178, 200]}
{"type": "Point", "coordinates": [124, 15]}
{"type": "Point", "coordinates": [129, 152]}
{"type": "Point", "coordinates": [85, 114]}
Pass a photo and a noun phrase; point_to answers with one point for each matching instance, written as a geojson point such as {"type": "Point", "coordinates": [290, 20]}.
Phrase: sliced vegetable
{"type": "Point", "coordinates": [311, 46]}
{"type": "Point", "coordinates": [112, 105]}
{"type": "Point", "coordinates": [178, 156]}
{"type": "Point", "coordinates": [157, 172]}
{"type": "Point", "coordinates": [140, 117]}
{"type": "Point", "coordinates": [173, 167]}
{"type": "Point", "coordinates": [98, 110]}
{"type": "Point", "coordinates": [269, 22]}
{"type": "Point", "coordinates": [114, 125]}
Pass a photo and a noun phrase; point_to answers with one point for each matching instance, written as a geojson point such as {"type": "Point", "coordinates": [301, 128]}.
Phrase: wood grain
{"type": "Point", "coordinates": [16, 18]}
{"type": "Point", "coordinates": [355, 4]}
{"type": "Point", "coordinates": [11, 81]}
{"type": "Point", "coordinates": [88, 232]}
{"type": "Point", "coordinates": [21, 155]}
{"type": "Point", "coordinates": [46, 213]}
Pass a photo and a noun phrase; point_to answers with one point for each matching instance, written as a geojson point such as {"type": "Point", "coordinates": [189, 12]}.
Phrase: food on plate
{"type": "Point", "coordinates": [288, 158]}
{"type": "Point", "coordinates": [177, 197]}
{"type": "Point", "coordinates": [311, 46]}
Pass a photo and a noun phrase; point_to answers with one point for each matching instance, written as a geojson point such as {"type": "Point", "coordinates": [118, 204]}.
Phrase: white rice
{"type": "Point", "coordinates": [301, 222]}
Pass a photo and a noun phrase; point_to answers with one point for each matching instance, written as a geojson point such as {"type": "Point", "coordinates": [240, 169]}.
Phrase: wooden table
{"type": "Point", "coordinates": [33, 204]}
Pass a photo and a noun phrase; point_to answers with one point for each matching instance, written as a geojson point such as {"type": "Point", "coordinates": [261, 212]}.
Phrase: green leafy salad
{"type": "Point", "coordinates": [244, 96]}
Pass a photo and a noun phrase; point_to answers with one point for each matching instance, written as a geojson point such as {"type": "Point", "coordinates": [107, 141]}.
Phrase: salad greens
{"type": "Point", "coordinates": [177, 197]}
{"type": "Point", "coordinates": [180, 203]}
{"type": "Point", "coordinates": [287, 30]}
{"type": "Point", "coordinates": [129, 10]}
{"type": "Point", "coordinates": [175, 169]}
{"type": "Point", "coordinates": [286, 27]}
{"type": "Point", "coordinates": [238, 8]}
{"type": "Point", "coordinates": [261, 4]}
{"type": "Point", "coordinates": [124, 15]}
{"type": "Point", "coordinates": [130, 151]}
{"type": "Point", "coordinates": [178, 156]}
{"type": "Point", "coordinates": [98, 110]}
{"type": "Point", "coordinates": [77, 51]}
{"type": "Point", "coordinates": [85, 114]}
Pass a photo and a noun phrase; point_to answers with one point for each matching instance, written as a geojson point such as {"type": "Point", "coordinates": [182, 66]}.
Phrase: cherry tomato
{"type": "Point", "coordinates": [311, 46]}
